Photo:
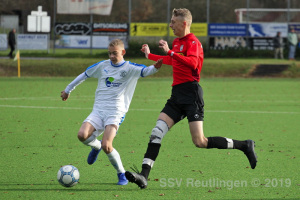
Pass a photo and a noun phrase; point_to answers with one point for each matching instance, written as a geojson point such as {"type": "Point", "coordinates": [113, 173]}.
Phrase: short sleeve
{"type": "Point", "coordinates": [94, 70]}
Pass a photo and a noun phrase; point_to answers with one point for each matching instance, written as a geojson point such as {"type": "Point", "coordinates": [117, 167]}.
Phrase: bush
{"type": "Point", "coordinates": [134, 50]}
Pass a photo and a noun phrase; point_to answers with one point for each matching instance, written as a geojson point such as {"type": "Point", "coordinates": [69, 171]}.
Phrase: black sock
{"type": "Point", "coordinates": [241, 145]}
{"type": "Point", "coordinates": [217, 142]}
{"type": "Point", "coordinates": [222, 143]}
{"type": "Point", "coordinates": [151, 153]}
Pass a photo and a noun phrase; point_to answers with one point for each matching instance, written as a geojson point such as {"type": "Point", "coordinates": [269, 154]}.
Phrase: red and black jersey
{"type": "Point", "coordinates": [186, 58]}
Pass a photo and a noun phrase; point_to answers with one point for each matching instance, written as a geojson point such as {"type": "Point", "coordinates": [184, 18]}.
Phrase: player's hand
{"type": "Point", "coordinates": [146, 50]}
{"type": "Point", "coordinates": [163, 45]}
{"type": "Point", "coordinates": [64, 96]}
{"type": "Point", "coordinates": [158, 63]}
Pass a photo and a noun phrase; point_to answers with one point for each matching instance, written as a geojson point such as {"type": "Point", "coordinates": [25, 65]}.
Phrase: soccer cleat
{"type": "Point", "coordinates": [122, 179]}
{"type": "Point", "coordinates": [250, 153]}
{"type": "Point", "coordinates": [93, 156]}
{"type": "Point", "coordinates": [136, 178]}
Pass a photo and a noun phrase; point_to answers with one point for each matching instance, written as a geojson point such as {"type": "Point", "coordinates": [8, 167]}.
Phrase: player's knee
{"type": "Point", "coordinates": [159, 131]}
{"type": "Point", "coordinates": [156, 135]}
{"type": "Point", "coordinates": [155, 139]}
{"type": "Point", "coordinates": [106, 147]}
{"type": "Point", "coordinates": [82, 136]}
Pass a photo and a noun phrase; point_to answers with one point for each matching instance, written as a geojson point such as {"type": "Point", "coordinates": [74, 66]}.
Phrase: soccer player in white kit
{"type": "Point", "coordinates": [117, 80]}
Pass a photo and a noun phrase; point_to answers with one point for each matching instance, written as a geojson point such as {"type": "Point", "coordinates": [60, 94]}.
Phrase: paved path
{"type": "Point", "coordinates": [30, 58]}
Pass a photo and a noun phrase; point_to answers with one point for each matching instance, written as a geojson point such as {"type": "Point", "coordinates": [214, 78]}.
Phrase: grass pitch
{"type": "Point", "coordinates": [38, 135]}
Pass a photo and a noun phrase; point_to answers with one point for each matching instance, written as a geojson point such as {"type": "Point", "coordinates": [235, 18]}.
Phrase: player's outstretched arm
{"type": "Point", "coordinates": [145, 49]}
{"type": "Point", "coordinates": [66, 93]}
{"type": "Point", "coordinates": [64, 96]}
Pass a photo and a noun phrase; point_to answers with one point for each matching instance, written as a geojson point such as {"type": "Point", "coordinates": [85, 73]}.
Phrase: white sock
{"type": "Point", "coordinates": [93, 142]}
{"type": "Point", "coordinates": [115, 160]}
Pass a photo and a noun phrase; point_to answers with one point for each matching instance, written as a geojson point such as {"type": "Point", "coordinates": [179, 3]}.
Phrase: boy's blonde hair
{"type": "Point", "coordinates": [116, 42]}
{"type": "Point", "coordinates": [185, 14]}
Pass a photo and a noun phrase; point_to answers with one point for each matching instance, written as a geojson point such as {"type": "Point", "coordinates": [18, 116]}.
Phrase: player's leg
{"type": "Point", "coordinates": [247, 146]}
{"type": "Point", "coordinates": [112, 154]}
{"type": "Point", "coordinates": [88, 136]}
{"type": "Point", "coordinates": [163, 124]}
{"type": "Point", "coordinates": [91, 128]}
{"type": "Point", "coordinates": [195, 115]}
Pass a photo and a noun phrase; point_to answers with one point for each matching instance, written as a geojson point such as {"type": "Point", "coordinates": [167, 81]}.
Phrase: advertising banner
{"type": "Point", "coordinates": [98, 7]}
{"type": "Point", "coordinates": [161, 29]}
{"type": "Point", "coordinates": [108, 29]}
{"type": "Point", "coordinates": [72, 28]}
{"type": "Point", "coordinates": [84, 42]}
{"type": "Point", "coordinates": [3, 41]}
{"type": "Point", "coordinates": [221, 43]}
{"type": "Point", "coordinates": [227, 42]}
{"type": "Point", "coordinates": [296, 27]}
{"type": "Point", "coordinates": [199, 29]}
{"type": "Point", "coordinates": [267, 29]}
{"type": "Point", "coordinates": [116, 29]}
{"type": "Point", "coordinates": [262, 43]}
{"type": "Point", "coordinates": [148, 29]}
{"type": "Point", "coordinates": [227, 29]}
{"type": "Point", "coordinates": [32, 41]}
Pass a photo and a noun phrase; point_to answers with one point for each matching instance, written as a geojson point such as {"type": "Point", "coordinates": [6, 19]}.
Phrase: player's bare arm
{"type": "Point", "coordinates": [146, 50]}
{"type": "Point", "coordinates": [163, 45]}
{"type": "Point", "coordinates": [64, 96]}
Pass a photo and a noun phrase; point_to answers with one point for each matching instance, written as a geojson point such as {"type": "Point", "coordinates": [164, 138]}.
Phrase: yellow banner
{"type": "Point", "coordinates": [160, 29]}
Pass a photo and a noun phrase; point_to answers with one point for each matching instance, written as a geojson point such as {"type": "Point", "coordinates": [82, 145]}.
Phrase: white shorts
{"type": "Point", "coordinates": [100, 120]}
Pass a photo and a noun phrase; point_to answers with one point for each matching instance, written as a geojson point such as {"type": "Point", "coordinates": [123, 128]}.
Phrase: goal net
{"type": "Point", "coordinates": [254, 15]}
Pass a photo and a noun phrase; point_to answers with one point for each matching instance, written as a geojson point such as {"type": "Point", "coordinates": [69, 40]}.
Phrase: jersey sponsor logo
{"type": "Point", "coordinates": [181, 54]}
{"type": "Point", "coordinates": [110, 82]}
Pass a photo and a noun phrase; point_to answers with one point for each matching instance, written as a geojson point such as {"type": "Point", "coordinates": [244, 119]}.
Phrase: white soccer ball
{"type": "Point", "coordinates": [68, 176]}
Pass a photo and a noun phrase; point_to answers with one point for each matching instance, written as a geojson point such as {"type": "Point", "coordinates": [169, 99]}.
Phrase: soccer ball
{"type": "Point", "coordinates": [68, 176]}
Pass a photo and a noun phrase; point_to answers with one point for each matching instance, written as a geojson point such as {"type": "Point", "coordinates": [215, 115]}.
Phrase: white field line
{"type": "Point", "coordinates": [149, 110]}
{"type": "Point", "coordinates": [149, 100]}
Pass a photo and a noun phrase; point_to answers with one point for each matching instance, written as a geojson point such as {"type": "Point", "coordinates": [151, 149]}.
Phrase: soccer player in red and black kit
{"type": "Point", "coordinates": [186, 58]}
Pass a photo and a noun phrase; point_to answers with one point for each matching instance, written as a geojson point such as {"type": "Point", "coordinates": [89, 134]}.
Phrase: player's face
{"type": "Point", "coordinates": [116, 54]}
{"type": "Point", "coordinates": [177, 25]}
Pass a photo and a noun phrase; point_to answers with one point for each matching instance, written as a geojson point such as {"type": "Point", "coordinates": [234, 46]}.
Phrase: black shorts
{"type": "Point", "coordinates": [186, 101]}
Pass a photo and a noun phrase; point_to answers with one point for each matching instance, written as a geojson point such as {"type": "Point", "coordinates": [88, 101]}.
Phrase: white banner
{"type": "Point", "coordinates": [84, 42]}
{"type": "Point", "coordinates": [3, 41]}
{"type": "Point", "coordinates": [98, 7]}
{"type": "Point", "coordinates": [32, 41]}
{"type": "Point", "coordinates": [268, 29]}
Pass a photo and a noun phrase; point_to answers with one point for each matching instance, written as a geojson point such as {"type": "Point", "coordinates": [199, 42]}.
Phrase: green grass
{"type": "Point", "coordinates": [73, 66]}
{"type": "Point", "coordinates": [39, 134]}
{"type": "Point", "coordinates": [61, 53]}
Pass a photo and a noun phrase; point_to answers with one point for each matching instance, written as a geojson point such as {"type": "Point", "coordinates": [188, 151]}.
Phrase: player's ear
{"type": "Point", "coordinates": [123, 52]}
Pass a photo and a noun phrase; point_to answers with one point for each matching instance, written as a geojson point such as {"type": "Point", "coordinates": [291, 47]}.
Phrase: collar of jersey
{"type": "Point", "coordinates": [118, 64]}
{"type": "Point", "coordinates": [185, 36]}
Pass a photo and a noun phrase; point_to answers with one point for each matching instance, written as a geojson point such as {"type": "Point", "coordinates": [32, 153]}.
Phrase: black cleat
{"type": "Point", "coordinates": [136, 178]}
{"type": "Point", "coordinates": [250, 153]}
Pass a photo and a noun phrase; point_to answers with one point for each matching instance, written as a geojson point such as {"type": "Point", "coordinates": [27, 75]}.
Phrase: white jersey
{"type": "Point", "coordinates": [116, 83]}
